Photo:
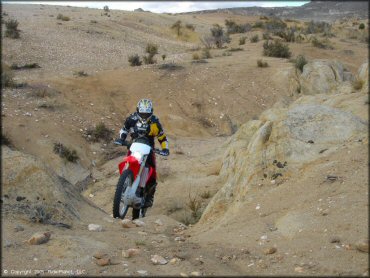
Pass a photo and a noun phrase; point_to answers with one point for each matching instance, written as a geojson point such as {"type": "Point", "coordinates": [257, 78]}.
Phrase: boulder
{"type": "Point", "coordinates": [322, 77]}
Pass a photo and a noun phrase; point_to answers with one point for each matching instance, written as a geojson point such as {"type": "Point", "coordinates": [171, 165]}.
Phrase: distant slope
{"type": "Point", "coordinates": [315, 10]}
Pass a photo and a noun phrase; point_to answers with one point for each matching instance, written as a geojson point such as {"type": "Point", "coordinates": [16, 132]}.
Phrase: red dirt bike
{"type": "Point", "coordinates": [135, 175]}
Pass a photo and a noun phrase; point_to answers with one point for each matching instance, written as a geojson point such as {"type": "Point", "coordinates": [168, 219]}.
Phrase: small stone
{"type": "Point", "coordinates": [298, 269]}
{"type": "Point", "coordinates": [39, 238]}
{"type": "Point", "coordinates": [258, 207]}
{"type": "Point", "coordinates": [142, 233]}
{"type": "Point", "coordinates": [103, 261]}
{"type": "Point", "coordinates": [270, 250]}
{"type": "Point", "coordinates": [334, 239]}
{"type": "Point", "coordinates": [264, 237]}
{"type": "Point", "coordinates": [179, 238]}
{"type": "Point", "coordinates": [100, 255]}
{"type": "Point", "coordinates": [158, 260]}
{"type": "Point", "coordinates": [159, 222]}
{"type": "Point", "coordinates": [130, 252]}
{"type": "Point", "coordinates": [142, 272]}
{"type": "Point", "coordinates": [127, 223]}
{"type": "Point", "coordinates": [331, 178]}
{"type": "Point", "coordinates": [273, 182]}
{"type": "Point", "coordinates": [18, 228]}
{"type": "Point", "coordinates": [174, 260]}
{"type": "Point", "coordinates": [8, 243]}
{"type": "Point", "coordinates": [138, 223]}
{"type": "Point", "coordinates": [363, 245]}
{"type": "Point", "coordinates": [182, 274]}
{"type": "Point", "coordinates": [91, 195]}
{"type": "Point", "coordinates": [95, 228]}
{"type": "Point", "coordinates": [195, 273]}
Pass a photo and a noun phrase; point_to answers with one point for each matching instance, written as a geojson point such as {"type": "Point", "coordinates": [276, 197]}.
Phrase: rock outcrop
{"type": "Point", "coordinates": [288, 136]}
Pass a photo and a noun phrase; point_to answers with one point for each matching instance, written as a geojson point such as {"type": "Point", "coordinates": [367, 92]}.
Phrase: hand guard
{"type": "Point", "coordinates": [119, 142]}
{"type": "Point", "coordinates": [165, 152]}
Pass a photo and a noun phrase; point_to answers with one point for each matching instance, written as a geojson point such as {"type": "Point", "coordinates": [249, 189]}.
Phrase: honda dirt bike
{"type": "Point", "coordinates": [134, 176]}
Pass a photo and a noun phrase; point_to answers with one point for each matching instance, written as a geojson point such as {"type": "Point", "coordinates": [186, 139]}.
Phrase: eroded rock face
{"type": "Point", "coordinates": [363, 75]}
{"type": "Point", "coordinates": [46, 197]}
{"type": "Point", "coordinates": [291, 136]}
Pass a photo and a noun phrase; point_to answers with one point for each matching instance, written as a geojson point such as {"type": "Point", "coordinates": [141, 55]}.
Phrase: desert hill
{"type": "Point", "coordinates": [314, 10]}
{"type": "Point", "coordinates": [268, 172]}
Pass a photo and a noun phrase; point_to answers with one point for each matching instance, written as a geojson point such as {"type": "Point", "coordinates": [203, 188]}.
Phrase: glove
{"type": "Point", "coordinates": [165, 152]}
{"type": "Point", "coordinates": [119, 141]}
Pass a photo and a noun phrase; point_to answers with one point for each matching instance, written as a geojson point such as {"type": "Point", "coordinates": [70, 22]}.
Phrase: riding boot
{"type": "Point", "coordinates": [150, 194]}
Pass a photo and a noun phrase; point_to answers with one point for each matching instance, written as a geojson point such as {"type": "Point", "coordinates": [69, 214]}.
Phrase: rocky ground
{"type": "Point", "coordinates": [271, 161]}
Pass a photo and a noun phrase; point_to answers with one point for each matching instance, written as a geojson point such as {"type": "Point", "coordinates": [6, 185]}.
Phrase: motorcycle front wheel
{"type": "Point", "coordinates": [119, 207]}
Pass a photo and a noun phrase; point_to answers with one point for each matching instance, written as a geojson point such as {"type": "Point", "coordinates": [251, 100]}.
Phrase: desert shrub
{"type": "Point", "coordinates": [263, 17]}
{"type": "Point", "coordinates": [275, 25]}
{"type": "Point", "coordinates": [324, 44]}
{"type": "Point", "coordinates": [100, 132]}
{"type": "Point", "coordinates": [26, 66]}
{"type": "Point", "coordinates": [219, 35]}
{"type": "Point", "coordinates": [361, 26]}
{"type": "Point", "coordinates": [177, 26]}
{"type": "Point", "coordinates": [80, 73]}
{"type": "Point", "coordinates": [163, 57]}
{"type": "Point", "coordinates": [235, 49]}
{"type": "Point", "coordinates": [262, 64]}
{"type": "Point", "coordinates": [12, 29]}
{"type": "Point", "coordinates": [7, 77]}
{"type": "Point", "coordinates": [151, 49]}
{"type": "Point", "coordinates": [93, 21]}
{"type": "Point", "coordinates": [194, 204]}
{"type": "Point", "coordinates": [318, 27]}
{"type": "Point", "coordinates": [276, 49]}
{"type": "Point", "coordinates": [242, 40]}
{"type": "Point", "coordinates": [287, 34]}
{"type": "Point", "coordinates": [207, 41]}
{"type": "Point", "coordinates": [42, 91]}
{"type": "Point", "coordinates": [63, 18]}
{"type": "Point", "coordinates": [190, 27]}
{"type": "Point", "coordinates": [196, 56]}
{"type": "Point", "coordinates": [5, 140]}
{"type": "Point", "coordinates": [254, 38]}
{"type": "Point", "coordinates": [206, 54]}
{"type": "Point", "coordinates": [299, 62]}
{"type": "Point", "coordinates": [40, 214]}
{"type": "Point", "coordinates": [258, 24]}
{"type": "Point", "coordinates": [266, 36]}
{"type": "Point", "coordinates": [134, 60]}
{"type": "Point", "coordinates": [357, 84]}
{"type": "Point", "coordinates": [65, 153]}
{"type": "Point", "coordinates": [233, 28]}
{"type": "Point", "coordinates": [227, 53]}
{"type": "Point", "coordinates": [170, 66]}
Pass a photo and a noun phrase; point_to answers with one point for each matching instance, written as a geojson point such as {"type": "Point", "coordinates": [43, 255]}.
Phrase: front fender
{"type": "Point", "coordinates": [133, 165]}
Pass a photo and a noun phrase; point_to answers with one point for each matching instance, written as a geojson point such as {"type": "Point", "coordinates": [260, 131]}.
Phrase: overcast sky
{"type": "Point", "coordinates": [169, 6]}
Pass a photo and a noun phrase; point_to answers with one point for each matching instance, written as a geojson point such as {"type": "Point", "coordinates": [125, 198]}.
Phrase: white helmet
{"type": "Point", "coordinates": [144, 109]}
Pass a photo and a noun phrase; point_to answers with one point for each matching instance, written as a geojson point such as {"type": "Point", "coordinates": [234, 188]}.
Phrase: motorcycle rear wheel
{"type": "Point", "coordinates": [119, 208]}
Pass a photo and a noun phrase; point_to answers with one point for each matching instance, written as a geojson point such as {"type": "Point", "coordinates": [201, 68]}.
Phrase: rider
{"type": "Point", "coordinates": [144, 123]}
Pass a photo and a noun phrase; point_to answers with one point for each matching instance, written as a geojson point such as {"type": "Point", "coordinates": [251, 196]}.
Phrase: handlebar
{"type": "Point", "coordinates": [120, 142]}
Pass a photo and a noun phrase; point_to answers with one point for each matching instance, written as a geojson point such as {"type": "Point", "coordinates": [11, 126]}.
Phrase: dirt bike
{"type": "Point", "coordinates": [134, 176]}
